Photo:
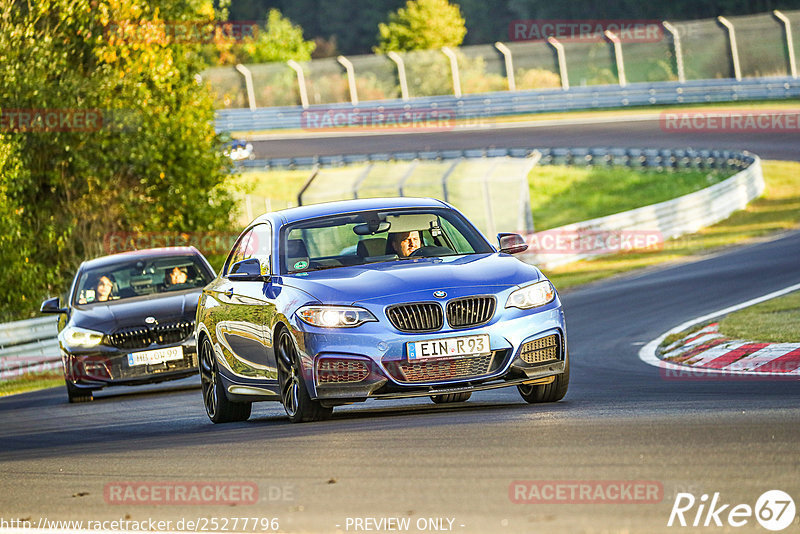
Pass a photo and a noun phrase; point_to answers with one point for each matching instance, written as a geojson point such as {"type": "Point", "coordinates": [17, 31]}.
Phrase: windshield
{"type": "Point", "coordinates": [377, 236]}
{"type": "Point", "coordinates": [135, 278]}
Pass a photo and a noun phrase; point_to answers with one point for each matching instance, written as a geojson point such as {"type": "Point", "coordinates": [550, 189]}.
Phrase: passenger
{"type": "Point", "coordinates": [405, 243]}
{"type": "Point", "coordinates": [176, 276]}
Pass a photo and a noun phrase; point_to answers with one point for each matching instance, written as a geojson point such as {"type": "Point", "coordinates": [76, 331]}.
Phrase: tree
{"type": "Point", "coordinates": [422, 25]}
{"type": "Point", "coordinates": [131, 146]}
{"type": "Point", "coordinates": [278, 40]}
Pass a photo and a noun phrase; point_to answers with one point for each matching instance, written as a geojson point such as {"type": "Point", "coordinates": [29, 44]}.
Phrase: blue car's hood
{"type": "Point", "coordinates": [346, 285]}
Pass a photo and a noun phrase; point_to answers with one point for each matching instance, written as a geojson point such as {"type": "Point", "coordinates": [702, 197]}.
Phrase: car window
{"type": "Point", "coordinates": [369, 237]}
{"type": "Point", "coordinates": [240, 251]}
{"type": "Point", "coordinates": [146, 276]}
{"type": "Point", "coordinates": [261, 245]}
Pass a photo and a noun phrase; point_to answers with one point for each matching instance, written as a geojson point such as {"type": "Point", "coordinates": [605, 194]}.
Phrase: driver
{"type": "Point", "coordinates": [405, 243]}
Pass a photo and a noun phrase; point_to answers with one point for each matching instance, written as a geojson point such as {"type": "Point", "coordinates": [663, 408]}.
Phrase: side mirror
{"type": "Point", "coordinates": [512, 243]}
{"type": "Point", "coordinates": [52, 306]}
{"type": "Point", "coordinates": [247, 270]}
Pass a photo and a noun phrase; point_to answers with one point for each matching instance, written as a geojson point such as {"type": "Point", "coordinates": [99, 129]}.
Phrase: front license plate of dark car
{"type": "Point", "coordinates": [448, 347]}
{"type": "Point", "coordinates": [150, 357]}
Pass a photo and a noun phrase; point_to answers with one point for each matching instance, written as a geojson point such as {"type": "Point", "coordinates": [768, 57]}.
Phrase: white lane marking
{"type": "Point", "coordinates": [648, 353]}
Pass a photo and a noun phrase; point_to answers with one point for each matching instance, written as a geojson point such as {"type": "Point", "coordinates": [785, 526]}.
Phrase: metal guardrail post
{"type": "Point", "coordinates": [737, 71]}
{"type": "Point", "coordinates": [615, 40]}
{"type": "Point", "coordinates": [405, 177]}
{"type": "Point", "coordinates": [351, 78]}
{"type": "Point", "coordinates": [506, 51]}
{"type": "Point", "coordinates": [445, 177]}
{"type": "Point", "coordinates": [314, 173]}
{"type": "Point", "coordinates": [677, 49]}
{"type": "Point", "coordinates": [401, 73]}
{"type": "Point", "coordinates": [248, 81]}
{"type": "Point", "coordinates": [562, 61]}
{"type": "Point", "coordinates": [446, 50]}
{"type": "Point", "coordinates": [360, 179]}
{"type": "Point", "coordinates": [301, 82]}
{"type": "Point", "coordinates": [787, 25]}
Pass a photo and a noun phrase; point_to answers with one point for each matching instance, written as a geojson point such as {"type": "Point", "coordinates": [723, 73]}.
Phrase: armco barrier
{"type": "Point", "coordinates": [668, 219]}
{"type": "Point", "coordinates": [477, 106]}
{"type": "Point", "coordinates": [27, 346]}
{"type": "Point", "coordinates": [665, 220]}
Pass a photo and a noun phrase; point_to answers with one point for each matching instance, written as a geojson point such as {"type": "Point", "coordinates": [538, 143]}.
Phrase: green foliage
{"type": "Point", "coordinates": [153, 163]}
{"type": "Point", "coordinates": [422, 25]}
{"type": "Point", "coordinates": [278, 40]}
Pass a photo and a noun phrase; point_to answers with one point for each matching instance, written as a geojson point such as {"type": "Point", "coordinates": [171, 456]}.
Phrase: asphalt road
{"type": "Point", "coordinates": [621, 420]}
{"type": "Point", "coordinates": [782, 145]}
{"type": "Point", "coordinates": [451, 468]}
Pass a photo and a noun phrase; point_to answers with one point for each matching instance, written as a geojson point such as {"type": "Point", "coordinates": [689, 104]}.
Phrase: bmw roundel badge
{"type": "Point", "coordinates": [439, 294]}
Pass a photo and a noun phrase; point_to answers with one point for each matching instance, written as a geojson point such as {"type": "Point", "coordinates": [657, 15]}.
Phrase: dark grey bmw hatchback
{"type": "Point", "coordinates": [129, 319]}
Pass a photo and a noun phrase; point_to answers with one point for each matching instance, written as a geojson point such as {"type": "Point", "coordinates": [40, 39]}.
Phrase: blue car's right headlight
{"type": "Point", "coordinates": [532, 296]}
{"type": "Point", "coordinates": [335, 316]}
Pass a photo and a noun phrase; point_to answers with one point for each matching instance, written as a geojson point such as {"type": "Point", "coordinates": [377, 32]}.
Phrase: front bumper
{"type": "Point", "coordinates": [386, 372]}
{"type": "Point", "coordinates": [107, 366]}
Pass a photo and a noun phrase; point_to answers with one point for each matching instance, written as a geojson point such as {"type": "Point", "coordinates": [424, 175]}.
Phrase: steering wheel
{"type": "Point", "coordinates": [428, 251]}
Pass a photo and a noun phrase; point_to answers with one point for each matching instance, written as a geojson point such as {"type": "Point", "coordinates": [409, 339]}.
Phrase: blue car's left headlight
{"type": "Point", "coordinates": [335, 316]}
{"type": "Point", "coordinates": [531, 296]}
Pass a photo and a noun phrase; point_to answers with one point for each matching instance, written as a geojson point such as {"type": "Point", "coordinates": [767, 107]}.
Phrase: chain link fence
{"type": "Point", "coordinates": [705, 44]}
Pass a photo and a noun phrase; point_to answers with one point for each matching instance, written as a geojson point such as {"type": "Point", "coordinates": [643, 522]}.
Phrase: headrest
{"type": "Point", "coordinates": [375, 246]}
{"type": "Point", "coordinates": [296, 248]}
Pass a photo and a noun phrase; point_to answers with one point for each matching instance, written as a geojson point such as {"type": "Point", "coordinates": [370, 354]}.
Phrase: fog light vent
{"type": "Point", "coordinates": [340, 371]}
{"type": "Point", "coordinates": [540, 350]}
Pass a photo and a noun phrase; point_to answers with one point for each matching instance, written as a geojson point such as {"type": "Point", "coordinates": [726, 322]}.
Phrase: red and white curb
{"type": "Point", "coordinates": [708, 349]}
{"type": "Point", "coordinates": [710, 352]}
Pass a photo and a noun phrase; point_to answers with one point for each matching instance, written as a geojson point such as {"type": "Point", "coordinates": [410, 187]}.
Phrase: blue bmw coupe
{"type": "Point", "coordinates": [336, 303]}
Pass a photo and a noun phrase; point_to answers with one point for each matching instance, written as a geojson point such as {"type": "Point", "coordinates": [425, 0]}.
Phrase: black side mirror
{"type": "Point", "coordinates": [52, 306]}
{"type": "Point", "coordinates": [247, 270]}
{"type": "Point", "coordinates": [512, 243]}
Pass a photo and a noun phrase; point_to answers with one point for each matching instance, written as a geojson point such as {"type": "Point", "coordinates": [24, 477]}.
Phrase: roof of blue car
{"type": "Point", "coordinates": [347, 206]}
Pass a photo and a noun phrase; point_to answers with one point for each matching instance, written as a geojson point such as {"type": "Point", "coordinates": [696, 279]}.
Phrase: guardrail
{"type": "Point", "coordinates": [29, 346]}
{"type": "Point", "coordinates": [477, 106]}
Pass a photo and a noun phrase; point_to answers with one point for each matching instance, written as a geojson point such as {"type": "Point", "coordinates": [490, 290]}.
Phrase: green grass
{"type": "Point", "coordinates": [31, 382]}
{"type": "Point", "coordinates": [777, 210]}
{"type": "Point", "coordinates": [776, 321]}
{"type": "Point", "coordinates": [562, 194]}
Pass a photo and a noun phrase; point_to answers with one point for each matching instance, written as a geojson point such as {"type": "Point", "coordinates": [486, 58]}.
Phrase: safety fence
{"type": "Point", "coordinates": [29, 346]}
{"type": "Point", "coordinates": [444, 113]}
{"type": "Point", "coordinates": [760, 46]}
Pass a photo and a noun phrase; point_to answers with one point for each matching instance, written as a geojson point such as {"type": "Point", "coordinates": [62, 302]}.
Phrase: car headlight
{"type": "Point", "coordinates": [73, 336]}
{"type": "Point", "coordinates": [531, 296]}
{"type": "Point", "coordinates": [335, 316]}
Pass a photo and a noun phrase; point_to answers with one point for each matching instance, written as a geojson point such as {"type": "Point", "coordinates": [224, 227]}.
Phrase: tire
{"type": "Point", "coordinates": [299, 405]}
{"type": "Point", "coordinates": [552, 392]}
{"type": "Point", "coordinates": [76, 394]}
{"type": "Point", "coordinates": [218, 408]}
{"type": "Point", "coordinates": [451, 397]}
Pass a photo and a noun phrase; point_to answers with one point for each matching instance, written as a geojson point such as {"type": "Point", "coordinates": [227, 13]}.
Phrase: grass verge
{"type": "Point", "coordinates": [777, 210]}
{"type": "Point", "coordinates": [774, 321]}
{"type": "Point", "coordinates": [31, 382]}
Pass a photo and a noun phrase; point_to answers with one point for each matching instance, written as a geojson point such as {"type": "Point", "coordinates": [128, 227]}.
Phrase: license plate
{"type": "Point", "coordinates": [448, 347]}
{"type": "Point", "coordinates": [150, 357]}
